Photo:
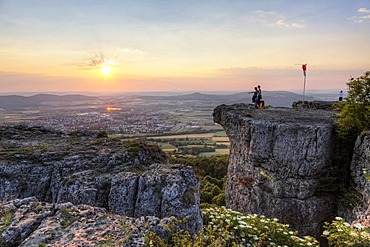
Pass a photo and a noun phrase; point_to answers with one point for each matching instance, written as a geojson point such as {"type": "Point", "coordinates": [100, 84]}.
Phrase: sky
{"type": "Point", "coordinates": [181, 45]}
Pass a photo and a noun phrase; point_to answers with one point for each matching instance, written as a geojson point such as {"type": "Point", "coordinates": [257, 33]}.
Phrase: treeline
{"type": "Point", "coordinates": [196, 150]}
{"type": "Point", "coordinates": [212, 174]}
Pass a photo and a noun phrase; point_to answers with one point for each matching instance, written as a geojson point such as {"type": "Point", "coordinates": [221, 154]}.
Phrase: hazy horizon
{"type": "Point", "coordinates": [164, 93]}
{"type": "Point", "coordinates": [135, 46]}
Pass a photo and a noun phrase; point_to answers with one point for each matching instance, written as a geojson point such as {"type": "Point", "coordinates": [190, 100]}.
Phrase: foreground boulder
{"type": "Point", "coordinates": [284, 164]}
{"type": "Point", "coordinates": [129, 178]}
{"type": "Point", "coordinates": [35, 224]}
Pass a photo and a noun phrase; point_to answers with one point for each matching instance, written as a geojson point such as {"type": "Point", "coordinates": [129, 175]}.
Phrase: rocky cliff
{"type": "Point", "coordinates": [360, 171]}
{"type": "Point", "coordinates": [130, 179]}
{"type": "Point", "coordinates": [284, 163]}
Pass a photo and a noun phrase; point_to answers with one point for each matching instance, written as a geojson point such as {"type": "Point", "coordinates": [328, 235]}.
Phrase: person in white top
{"type": "Point", "coordinates": [341, 95]}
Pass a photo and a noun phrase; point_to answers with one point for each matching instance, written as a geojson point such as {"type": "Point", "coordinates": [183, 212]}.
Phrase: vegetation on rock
{"type": "Point", "coordinates": [340, 233]}
{"type": "Point", "coordinates": [224, 227]}
{"type": "Point", "coordinates": [212, 173]}
{"type": "Point", "coordinates": [355, 112]}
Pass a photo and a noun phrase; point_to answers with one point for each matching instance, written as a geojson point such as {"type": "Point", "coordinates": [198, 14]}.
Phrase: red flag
{"type": "Point", "coordinates": [304, 67]}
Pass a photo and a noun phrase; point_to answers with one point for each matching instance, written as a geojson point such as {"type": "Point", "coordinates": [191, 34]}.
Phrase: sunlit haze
{"type": "Point", "coordinates": [192, 45]}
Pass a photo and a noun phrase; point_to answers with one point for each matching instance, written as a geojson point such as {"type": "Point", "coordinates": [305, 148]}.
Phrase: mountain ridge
{"type": "Point", "coordinates": [18, 101]}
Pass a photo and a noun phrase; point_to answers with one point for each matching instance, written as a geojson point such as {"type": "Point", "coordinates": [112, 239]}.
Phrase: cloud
{"type": "Point", "coordinates": [130, 55]}
{"type": "Point", "coordinates": [363, 16]}
{"type": "Point", "coordinates": [363, 10]}
{"type": "Point", "coordinates": [98, 61]}
{"type": "Point", "coordinates": [271, 18]}
{"type": "Point", "coordinates": [284, 24]}
{"type": "Point", "coordinates": [133, 51]}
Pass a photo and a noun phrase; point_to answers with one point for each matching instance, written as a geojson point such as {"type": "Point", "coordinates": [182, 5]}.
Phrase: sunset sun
{"type": "Point", "coordinates": [106, 70]}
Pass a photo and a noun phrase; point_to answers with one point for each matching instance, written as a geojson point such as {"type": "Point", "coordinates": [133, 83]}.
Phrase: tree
{"type": "Point", "coordinates": [355, 113]}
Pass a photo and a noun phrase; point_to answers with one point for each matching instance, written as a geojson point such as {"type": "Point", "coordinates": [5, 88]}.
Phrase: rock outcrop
{"type": "Point", "coordinates": [130, 178]}
{"type": "Point", "coordinates": [360, 166]}
{"type": "Point", "coordinates": [283, 164]}
{"type": "Point", "coordinates": [35, 224]}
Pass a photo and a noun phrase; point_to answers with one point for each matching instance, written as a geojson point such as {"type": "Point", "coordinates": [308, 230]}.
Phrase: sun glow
{"type": "Point", "coordinates": [106, 70]}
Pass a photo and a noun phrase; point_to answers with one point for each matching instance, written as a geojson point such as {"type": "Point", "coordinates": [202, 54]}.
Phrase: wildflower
{"type": "Point", "coordinates": [325, 233]}
{"type": "Point", "coordinates": [338, 218]}
{"type": "Point", "coordinates": [358, 226]}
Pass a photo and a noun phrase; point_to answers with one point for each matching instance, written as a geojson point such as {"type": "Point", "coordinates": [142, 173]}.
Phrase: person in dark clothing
{"type": "Point", "coordinates": [259, 96]}
{"type": "Point", "coordinates": [255, 97]}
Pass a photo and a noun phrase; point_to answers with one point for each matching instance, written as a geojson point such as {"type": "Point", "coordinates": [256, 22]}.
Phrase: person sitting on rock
{"type": "Point", "coordinates": [255, 96]}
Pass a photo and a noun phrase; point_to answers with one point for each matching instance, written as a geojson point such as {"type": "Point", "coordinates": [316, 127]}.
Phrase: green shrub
{"type": "Point", "coordinates": [212, 174]}
{"type": "Point", "coordinates": [340, 233]}
{"type": "Point", "coordinates": [224, 227]}
{"type": "Point", "coordinates": [355, 112]}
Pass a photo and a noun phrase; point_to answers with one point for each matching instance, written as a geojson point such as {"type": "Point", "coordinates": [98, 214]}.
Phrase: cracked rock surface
{"type": "Point", "coordinates": [37, 224]}
{"type": "Point", "coordinates": [283, 164]}
{"type": "Point", "coordinates": [128, 178]}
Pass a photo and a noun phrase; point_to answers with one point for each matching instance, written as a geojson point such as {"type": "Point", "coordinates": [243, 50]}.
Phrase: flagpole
{"type": "Point", "coordinates": [304, 87]}
{"type": "Point", "coordinates": [304, 68]}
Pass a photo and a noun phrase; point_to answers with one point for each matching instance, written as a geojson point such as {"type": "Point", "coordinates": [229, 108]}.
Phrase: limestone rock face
{"type": "Point", "coordinates": [360, 166]}
{"type": "Point", "coordinates": [37, 224]}
{"type": "Point", "coordinates": [127, 179]}
{"type": "Point", "coordinates": [282, 164]}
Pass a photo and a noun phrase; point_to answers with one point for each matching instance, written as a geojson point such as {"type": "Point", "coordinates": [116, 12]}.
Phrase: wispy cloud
{"type": "Point", "coordinates": [284, 24]}
{"type": "Point", "coordinates": [362, 16]}
{"type": "Point", "coordinates": [132, 55]}
{"type": "Point", "coordinates": [271, 18]}
{"type": "Point", "coordinates": [363, 10]}
{"type": "Point", "coordinates": [98, 61]}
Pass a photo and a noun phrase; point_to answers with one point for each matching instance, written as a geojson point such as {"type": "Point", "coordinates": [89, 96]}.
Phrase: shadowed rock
{"type": "Point", "coordinates": [283, 163]}
{"type": "Point", "coordinates": [129, 178]}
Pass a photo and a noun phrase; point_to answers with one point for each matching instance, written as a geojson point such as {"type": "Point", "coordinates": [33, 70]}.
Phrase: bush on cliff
{"type": "Point", "coordinates": [224, 227]}
{"type": "Point", "coordinates": [212, 173]}
{"type": "Point", "coordinates": [355, 112]}
{"type": "Point", "coordinates": [340, 233]}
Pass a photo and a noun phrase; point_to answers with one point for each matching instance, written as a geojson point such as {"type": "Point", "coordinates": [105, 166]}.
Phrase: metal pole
{"type": "Point", "coordinates": [304, 88]}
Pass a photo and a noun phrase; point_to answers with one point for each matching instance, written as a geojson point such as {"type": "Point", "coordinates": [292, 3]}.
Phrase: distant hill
{"type": "Point", "coordinates": [16, 101]}
{"type": "Point", "coordinates": [273, 98]}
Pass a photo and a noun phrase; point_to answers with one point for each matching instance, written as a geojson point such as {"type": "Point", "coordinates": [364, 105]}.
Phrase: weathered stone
{"type": "Point", "coordinates": [125, 179]}
{"type": "Point", "coordinates": [35, 224]}
{"type": "Point", "coordinates": [360, 166]}
{"type": "Point", "coordinates": [280, 160]}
